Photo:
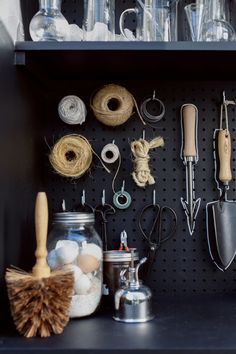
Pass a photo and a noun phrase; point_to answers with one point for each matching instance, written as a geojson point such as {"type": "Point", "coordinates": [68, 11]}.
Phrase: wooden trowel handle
{"type": "Point", "coordinates": [41, 268]}
{"type": "Point", "coordinates": [224, 150]}
{"type": "Point", "coordinates": [189, 113]}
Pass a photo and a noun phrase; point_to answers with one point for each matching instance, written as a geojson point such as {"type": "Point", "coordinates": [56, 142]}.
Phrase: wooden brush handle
{"type": "Point", "coordinates": [41, 268]}
{"type": "Point", "coordinates": [189, 126]}
{"type": "Point", "coordinates": [224, 150]}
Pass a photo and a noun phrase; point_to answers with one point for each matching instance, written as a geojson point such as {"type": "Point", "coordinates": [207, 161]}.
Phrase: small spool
{"type": "Point", "coordinates": [110, 153]}
{"type": "Point", "coordinates": [72, 110]}
{"type": "Point", "coordinates": [122, 195]}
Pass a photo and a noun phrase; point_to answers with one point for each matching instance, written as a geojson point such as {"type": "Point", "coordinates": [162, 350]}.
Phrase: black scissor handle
{"type": "Point", "coordinates": [148, 236]}
{"type": "Point", "coordinates": [170, 211]}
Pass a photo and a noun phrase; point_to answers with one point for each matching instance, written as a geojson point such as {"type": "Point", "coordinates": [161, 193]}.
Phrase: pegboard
{"type": "Point", "coordinates": [183, 264]}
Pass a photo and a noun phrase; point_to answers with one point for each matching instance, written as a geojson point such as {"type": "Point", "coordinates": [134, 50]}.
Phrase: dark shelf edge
{"type": "Point", "coordinates": [30, 46]}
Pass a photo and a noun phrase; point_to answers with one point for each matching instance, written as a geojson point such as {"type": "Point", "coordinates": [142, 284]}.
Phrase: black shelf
{"type": "Point", "coordinates": [197, 325]}
{"type": "Point", "coordinates": [128, 59]}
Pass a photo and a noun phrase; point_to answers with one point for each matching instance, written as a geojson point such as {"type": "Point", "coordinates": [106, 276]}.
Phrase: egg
{"type": "Point", "coordinates": [82, 285]}
{"type": "Point", "coordinates": [52, 260]}
{"type": "Point", "coordinates": [67, 243]}
{"type": "Point", "coordinates": [75, 270]}
{"type": "Point", "coordinates": [88, 264]}
{"type": "Point", "coordinates": [92, 250]}
{"type": "Point", "coordinates": [66, 255]}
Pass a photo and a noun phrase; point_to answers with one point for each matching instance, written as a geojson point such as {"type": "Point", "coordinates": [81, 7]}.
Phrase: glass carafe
{"type": "Point", "coordinates": [99, 20]}
{"type": "Point", "coordinates": [157, 20]}
{"type": "Point", "coordinates": [48, 24]}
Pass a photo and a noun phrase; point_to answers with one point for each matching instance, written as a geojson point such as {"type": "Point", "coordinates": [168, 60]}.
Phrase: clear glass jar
{"type": "Point", "coordinates": [74, 244]}
{"type": "Point", "coordinates": [48, 24]}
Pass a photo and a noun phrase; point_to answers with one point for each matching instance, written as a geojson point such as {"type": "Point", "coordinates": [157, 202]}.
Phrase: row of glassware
{"type": "Point", "coordinates": [156, 20]}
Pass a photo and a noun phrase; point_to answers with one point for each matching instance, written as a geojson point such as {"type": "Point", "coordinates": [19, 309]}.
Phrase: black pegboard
{"type": "Point", "coordinates": [183, 264]}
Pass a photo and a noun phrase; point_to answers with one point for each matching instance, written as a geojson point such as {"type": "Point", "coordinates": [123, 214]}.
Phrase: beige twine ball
{"type": "Point", "coordinates": [118, 97]}
{"type": "Point", "coordinates": [71, 156]}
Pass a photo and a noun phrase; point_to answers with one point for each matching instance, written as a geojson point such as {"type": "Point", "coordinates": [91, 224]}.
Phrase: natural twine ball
{"type": "Point", "coordinates": [71, 156]}
{"type": "Point", "coordinates": [112, 105]}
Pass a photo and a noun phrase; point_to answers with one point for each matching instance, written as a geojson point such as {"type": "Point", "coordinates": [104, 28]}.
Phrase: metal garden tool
{"type": "Point", "coordinates": [221, 214]}
{"type": "Point", "coordinates": [189, 155]}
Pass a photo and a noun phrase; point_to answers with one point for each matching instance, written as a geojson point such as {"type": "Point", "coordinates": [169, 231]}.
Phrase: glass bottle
{"type": "Point", "coordinates": [75, 245]}
{"type": "Point", "coordinates": [48, 24]}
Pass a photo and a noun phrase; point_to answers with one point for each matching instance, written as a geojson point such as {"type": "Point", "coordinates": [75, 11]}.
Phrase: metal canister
{"type": "Point", "coordinates": [114, 262]}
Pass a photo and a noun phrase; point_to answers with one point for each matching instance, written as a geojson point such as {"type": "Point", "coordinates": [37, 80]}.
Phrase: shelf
{"type": "Point", "coordinates": [138, 60]}
{"type": "Point", "coordinates": [200, 325]}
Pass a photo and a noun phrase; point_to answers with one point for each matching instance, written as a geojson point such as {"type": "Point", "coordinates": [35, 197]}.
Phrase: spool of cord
{"type": "Point", "coordinates": [110, 153]}
{"type": "Point", "coordinates": [113, 105]}
{"type": "Point", "coordinates": [72, 110]}
{"type": "Point", "coordinates": [71, 156]}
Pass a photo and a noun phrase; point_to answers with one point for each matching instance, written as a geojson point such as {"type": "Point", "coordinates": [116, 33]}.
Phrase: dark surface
{"type": "Point", "coordinates": [120, 60]}
{"type": "Point", "coordinates": [199, 324]}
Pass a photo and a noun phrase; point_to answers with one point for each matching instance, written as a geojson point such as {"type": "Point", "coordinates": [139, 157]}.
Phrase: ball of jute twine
{"type": "Point", "coordinates": [140, 149]}
{"type": "Point", "coordinates": [122, 100]}
{"type": "Point", "coordinates": [71, 156]}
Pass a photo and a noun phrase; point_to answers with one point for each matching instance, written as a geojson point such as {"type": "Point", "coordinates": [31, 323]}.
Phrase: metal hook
{"type": "Point", "coordinates": [63, 205]}
{"type": "Point", "coordinates": [154, 95]}
{"type": "Point", "coordinates": [103, 197]}
{"type": "Point", "coordinates": [123, 187]}
{"type": "Point", "coordinates": [83, 198]}
{"type": "Point", "coordinates": [113, 141]}
{"type": "Point", "coordinates": [144, 134]}
{"type": "Point", "coordinates": [154, 197]}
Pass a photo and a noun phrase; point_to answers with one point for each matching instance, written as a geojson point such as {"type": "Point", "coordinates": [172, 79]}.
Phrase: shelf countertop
{"type": "Point", "coordinates": [142, 60]}
{"type": "Point", "coordinates": [199, 325]}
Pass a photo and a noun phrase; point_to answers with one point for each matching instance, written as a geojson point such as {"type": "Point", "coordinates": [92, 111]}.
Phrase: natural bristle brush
{"type": "Point", "coordinates": [40, 300]}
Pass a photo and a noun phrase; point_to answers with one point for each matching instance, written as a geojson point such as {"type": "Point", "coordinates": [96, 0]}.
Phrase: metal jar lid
{"type": "Point", "coordinates": [73, 218]}
{"type": "Point", "coordinates": [119, 256]}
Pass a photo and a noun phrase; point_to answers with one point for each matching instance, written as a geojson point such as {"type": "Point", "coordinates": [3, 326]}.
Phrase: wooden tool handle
{"type": "Point", "coordinates": [224, 151]}
{"type": "Point", "coordinates": [189, 126]}
{"type": "Point", "coordinates": [41, 268]}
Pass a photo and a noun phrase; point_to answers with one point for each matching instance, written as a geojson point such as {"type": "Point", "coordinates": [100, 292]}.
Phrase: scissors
{"type": "Point", "coordinates": [104, 210]}
{"type": "Point", "coordinates": [154, 236]}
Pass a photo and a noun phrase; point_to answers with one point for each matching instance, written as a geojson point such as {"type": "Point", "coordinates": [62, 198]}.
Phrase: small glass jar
{"type": "Point", "coordinates": [48, 24]}
{"type": "Point", "coordinates": [75, 245]}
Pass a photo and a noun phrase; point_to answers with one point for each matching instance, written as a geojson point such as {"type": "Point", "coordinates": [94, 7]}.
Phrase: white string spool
{"type": "Point", "coordinates": [110, 153]}
{"type": "Point", "coordinates": [72, 110]}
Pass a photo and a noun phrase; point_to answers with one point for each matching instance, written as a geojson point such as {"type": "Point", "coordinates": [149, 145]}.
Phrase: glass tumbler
{"type": "Point", "coordinates": [216, 25]}
{"type": "Point", "coordinates": [99, 20]}
{"type": "Point", "coordinates": [157, 20]}
{"type": "Point", "coordinates": [48, 24]}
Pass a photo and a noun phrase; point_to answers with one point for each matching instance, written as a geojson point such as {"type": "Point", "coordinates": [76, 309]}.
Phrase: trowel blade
{"type": "Point", "coordinates": [221, 232]}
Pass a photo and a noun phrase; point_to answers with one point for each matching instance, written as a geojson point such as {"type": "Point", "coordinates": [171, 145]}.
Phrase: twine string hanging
{"type": "Point", "coordinates": [140, 149]}
{"type": "Point", "coordinates": [113, 105]}
{"type": "Point", "coordinates": [72, 156]}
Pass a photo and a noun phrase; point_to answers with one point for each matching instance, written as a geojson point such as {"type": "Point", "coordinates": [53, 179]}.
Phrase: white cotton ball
{"type": "Point", "coordinates": [92, 250]}
{"type": "Point", "coordinates": [67, 243]}
{"type": "Point", "coordinates": [52, 260]}
{"type": "Point", "coordinates": [75, 33]}
{"type": "Point", "coordinates": [82, 285]}
{"type": "Point", "coordinates": [75, 270]}
{"type": "Point", "coordinates": [66, 255]}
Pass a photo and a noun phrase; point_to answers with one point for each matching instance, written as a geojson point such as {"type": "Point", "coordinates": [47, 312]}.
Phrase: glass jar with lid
{"type": "Point", "coordinates": [74, 244]}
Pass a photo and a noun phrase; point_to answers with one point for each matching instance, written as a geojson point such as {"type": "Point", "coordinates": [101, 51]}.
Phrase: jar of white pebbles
{"type": "Point", "coordinates": [75, 245]}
